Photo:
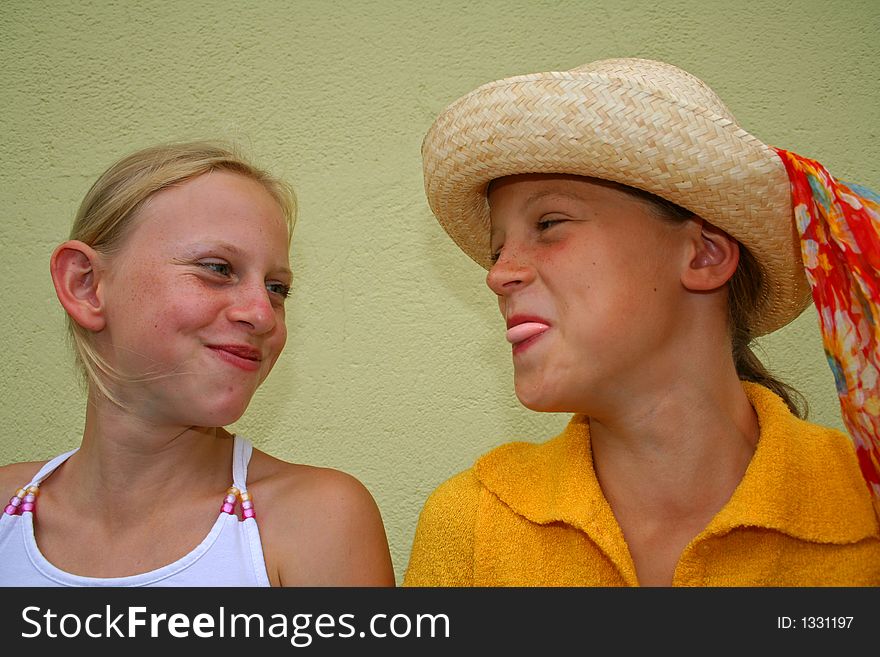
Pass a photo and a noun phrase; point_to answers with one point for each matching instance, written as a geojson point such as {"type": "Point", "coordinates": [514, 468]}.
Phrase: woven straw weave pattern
{"type": "Point", "coordinates": [645, 124]}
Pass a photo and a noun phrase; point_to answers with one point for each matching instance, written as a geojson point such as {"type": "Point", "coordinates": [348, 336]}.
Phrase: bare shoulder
{"type": "Point", "coordinates": [320, 526]}
{"type": "Point", "coordinates": [322, 489]}
{"type": "Point", "coordinates": [16, 475]}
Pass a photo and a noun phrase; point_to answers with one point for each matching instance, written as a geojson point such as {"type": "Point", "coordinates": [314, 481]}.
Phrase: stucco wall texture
{"type": "Point", "coordinates": [396, 368]}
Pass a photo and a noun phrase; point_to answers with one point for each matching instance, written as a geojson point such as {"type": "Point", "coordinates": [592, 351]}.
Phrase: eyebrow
{"type": "Point", "coordinates": [537, 196]}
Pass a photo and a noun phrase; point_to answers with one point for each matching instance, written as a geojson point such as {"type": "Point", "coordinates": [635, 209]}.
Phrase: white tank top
{"type": "Point", "coordinates": [230, 555]}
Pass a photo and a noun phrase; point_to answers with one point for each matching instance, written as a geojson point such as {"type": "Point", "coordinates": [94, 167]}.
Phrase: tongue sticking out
{"type": "Point", "coordinates": [525, 331]}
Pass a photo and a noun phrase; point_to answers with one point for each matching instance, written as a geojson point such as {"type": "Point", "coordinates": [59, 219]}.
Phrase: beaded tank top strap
{"type": "Point", "coordinates": [242, 449]}
{"type": "Point", "coordinates": [25, 498]}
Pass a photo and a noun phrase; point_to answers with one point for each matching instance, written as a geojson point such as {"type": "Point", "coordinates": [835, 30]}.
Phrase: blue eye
{"type": "Point", "coordinates": [221, 268]}
{"type": "Point", "coordinates": [279, 289]}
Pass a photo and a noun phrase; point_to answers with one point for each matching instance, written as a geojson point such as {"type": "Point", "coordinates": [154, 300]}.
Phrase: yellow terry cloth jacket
{"type": "Point", "coordinates": [534, 515]}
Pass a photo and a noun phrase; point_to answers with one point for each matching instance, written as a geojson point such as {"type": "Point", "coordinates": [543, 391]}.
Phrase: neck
{"type": "Point", "coordinates": [680, 447]}
{"type": "Point", "coordinates": [125, 459]}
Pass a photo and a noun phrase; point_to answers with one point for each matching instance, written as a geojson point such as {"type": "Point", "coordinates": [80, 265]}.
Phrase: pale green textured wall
{"type": "Point", "coordinates": [396, 368]}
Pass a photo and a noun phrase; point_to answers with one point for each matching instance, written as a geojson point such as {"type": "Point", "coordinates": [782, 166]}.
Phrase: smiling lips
{"type": "Point", "coordinates": [522, 330]}
{"type": "Point", "coordinates": [242, 356]}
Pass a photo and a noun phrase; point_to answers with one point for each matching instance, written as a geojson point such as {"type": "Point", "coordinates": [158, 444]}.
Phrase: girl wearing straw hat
{"type": "Point", "coordinates": [174, 281]}
{"type": "Point", "coordinates": [637, 239]}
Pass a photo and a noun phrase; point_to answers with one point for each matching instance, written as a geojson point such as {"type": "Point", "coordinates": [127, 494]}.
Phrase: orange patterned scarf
{"type": "Point", "coordinates": [839, 226]}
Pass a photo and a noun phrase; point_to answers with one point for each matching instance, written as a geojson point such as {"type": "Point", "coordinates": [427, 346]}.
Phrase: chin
{"type": "Point", "coordinates": [538, 400]}
{"type": "Point", "coordinates": [221, 415]}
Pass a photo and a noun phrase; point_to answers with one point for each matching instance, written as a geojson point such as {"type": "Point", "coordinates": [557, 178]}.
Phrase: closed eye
{"type": "Point", "coordinates": [544, 224]}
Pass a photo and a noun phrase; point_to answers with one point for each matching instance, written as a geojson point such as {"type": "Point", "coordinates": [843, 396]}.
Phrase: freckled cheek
{"type": "Point", "coordinates": [574, 277]}
{"type": "Point", "coordinates": [139, 295]}
{"type": "Point", "coordinates": [558, 253]}
{"type": "Point", "coordinates": [174, 314]}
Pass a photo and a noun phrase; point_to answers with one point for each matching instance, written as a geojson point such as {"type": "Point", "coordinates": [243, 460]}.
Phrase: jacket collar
{"type": "Point", "coordinates": [802, 480]}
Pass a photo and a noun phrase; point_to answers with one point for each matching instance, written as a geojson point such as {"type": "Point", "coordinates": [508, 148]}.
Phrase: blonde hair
{"type": "Point", "coordinates": [109, 208]}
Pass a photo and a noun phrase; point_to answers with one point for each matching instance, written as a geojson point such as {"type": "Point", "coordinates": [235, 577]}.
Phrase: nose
{"type": "Point", "coordinates": [509, 273]}
{"type": "Point", "coordinates": [251, 305]}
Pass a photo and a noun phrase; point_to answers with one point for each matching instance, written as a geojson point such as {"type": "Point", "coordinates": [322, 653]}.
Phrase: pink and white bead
{"type": "Point", "coordinates": [23, 500]}
{"type": "Point", "coordinates": [232, 496]}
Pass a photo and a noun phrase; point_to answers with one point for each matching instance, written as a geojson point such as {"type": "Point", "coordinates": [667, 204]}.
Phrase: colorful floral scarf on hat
{"type": "Point", "coordinates": [839, 226]}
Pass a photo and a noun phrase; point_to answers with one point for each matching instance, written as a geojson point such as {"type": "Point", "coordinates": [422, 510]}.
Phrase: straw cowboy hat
{"type": "Point", "coordinates": [638, 122]}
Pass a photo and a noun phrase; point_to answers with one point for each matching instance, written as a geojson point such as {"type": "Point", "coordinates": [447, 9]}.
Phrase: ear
{"type": "Point", "coordinates": [76, 276]}
{"type": "Point", "coordinates": [712, 259]}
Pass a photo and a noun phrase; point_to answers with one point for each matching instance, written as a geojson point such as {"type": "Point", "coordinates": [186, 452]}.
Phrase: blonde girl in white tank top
{"type": "Point", "coordinates": [174, 282]}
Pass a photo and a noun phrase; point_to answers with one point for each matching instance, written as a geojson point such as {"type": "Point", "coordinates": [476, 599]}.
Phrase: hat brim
{"type": "Point", "coordinates": [587, 124]}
